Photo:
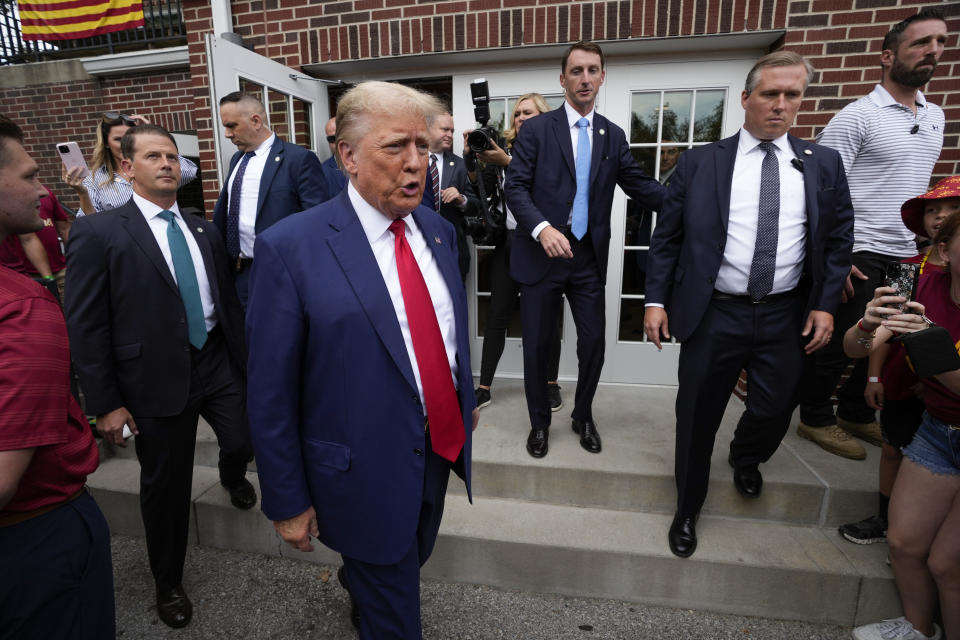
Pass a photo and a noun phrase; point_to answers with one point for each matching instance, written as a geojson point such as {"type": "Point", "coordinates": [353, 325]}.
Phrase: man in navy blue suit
{"type": "Point", "coordinates": [559, 187]}
{"type": "Point", "coordinates": [360, 355]}
{"type": "Point", "coordinates": [748, 260]}
{"type": "Point", "coordinates": [269, 179]}
{"type": "Point", "coordinates": [333, 176]}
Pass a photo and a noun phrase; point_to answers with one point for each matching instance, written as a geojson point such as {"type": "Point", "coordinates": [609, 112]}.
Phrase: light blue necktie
{"type": "Point", "coordinates": [186, 281]}
{"type": "Point", "coordinates": [581, 202]}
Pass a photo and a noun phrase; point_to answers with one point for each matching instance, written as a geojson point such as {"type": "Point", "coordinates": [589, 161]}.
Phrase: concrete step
{"type": "Point", "coordinates": [803, 484]}
{"type": "Point", "coordinates": [753, 567]}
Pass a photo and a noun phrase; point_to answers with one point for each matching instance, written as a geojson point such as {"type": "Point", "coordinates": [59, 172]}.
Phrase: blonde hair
{"type": "Point", "coordinates": [367, 99]}
{"type": "Point", "coordinates": [538, 101]}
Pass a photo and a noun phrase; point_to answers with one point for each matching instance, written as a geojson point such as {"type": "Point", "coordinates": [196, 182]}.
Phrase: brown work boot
{"type": "Point", "coordinates": [833, 439]}
{"type": "Point", "coordinates": [869, 431]}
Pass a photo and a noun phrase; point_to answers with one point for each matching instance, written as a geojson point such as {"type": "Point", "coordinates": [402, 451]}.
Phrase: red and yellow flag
{"type": "Point", "coordinates": [71, 19]}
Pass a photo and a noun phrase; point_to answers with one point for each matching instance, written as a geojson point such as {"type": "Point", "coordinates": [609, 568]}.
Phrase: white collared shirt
{"type": "Point", "coordinates": [250, 194]}
{"type": "Point", "coordinates": [734, 270]}
{"type": "Point", "coordinates": [376, 226]}
{"type": "Point", "coordinates": [159, 227]}
{"type": "Point", "coordinates": [572, 119]}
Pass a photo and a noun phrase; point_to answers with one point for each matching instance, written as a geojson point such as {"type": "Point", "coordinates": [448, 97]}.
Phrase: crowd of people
{"type": "Point", "coordinates": [317, 282]}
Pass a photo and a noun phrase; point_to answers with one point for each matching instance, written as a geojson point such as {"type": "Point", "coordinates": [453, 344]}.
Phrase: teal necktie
{"type": "Point", "coordinates": [581, 202]}
{"type": "Point", "coordinates": [186, 280]}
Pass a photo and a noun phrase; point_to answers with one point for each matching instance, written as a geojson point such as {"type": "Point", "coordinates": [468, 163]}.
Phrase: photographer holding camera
{"type": "Point", "coordinates": [503, 288]}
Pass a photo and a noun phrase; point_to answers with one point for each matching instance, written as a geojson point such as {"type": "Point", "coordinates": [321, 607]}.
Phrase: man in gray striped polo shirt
{"type": "Point", "coordinates": [889, 140]}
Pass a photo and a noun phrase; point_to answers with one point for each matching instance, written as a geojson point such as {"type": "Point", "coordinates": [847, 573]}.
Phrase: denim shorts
{"type": "Point", "coordinates": [936, 447]}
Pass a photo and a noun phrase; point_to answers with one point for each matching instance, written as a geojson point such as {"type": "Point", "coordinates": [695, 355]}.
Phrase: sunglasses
{"type": "Point", "coordinates": [331, 139]}
{"type": "Point", "coordinates": [118, 118]}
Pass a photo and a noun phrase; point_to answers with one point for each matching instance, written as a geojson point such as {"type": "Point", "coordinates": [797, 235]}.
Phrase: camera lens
{"type": "Point", "coordinates": [63, 148]}
{"type": "Point", "coordinates": [478, 141]}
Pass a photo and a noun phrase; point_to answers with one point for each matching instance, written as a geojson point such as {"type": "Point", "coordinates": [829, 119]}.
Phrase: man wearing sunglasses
{"type": "Point", "coordinates": [269, 179]}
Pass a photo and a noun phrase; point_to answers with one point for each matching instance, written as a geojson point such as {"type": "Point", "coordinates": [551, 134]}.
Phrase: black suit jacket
{"type": "Point", "coordinates": [687, 246]}
{"type": "Point", "coordinates": [541, 182]}
{"type": "Point", "coordinates": [127, 324]}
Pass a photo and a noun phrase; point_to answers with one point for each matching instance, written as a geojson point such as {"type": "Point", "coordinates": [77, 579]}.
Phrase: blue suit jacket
{"type": "Point", "coordinates": [687, 246]}
{"type": "Point", "coordinates": [336, 419]}
{"type": "Point", "coordinates": [335, 180]}
{"type": "Point", "coordinates": [541, 182]}
{"type": "Point", "coordinates": [292, 181]}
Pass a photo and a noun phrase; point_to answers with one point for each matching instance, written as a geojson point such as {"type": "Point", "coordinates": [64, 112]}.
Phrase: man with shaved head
{"type": "Point", "coordinates": [269, 179]}
{"type": "Point", "coordinates": [360, 355]}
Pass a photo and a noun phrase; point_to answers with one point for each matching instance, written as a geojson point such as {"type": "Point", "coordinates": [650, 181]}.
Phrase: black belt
{"type": "Point", "coordinates": [773, 297]}
{"type": "Point", "coordinates": [242, 263]}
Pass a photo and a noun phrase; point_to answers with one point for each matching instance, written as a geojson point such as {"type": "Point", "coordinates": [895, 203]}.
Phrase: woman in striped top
{"type": "Point", "coordinates": [106, 187]}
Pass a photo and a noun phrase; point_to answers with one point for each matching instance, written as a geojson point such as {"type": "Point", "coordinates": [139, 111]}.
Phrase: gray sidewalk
{"type": "Point", "coordinates": [251, 596]}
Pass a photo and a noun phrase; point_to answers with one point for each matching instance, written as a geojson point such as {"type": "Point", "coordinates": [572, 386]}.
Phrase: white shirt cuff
{"type": "Point", "coordinates": [537, 229]}
{"type": "Point", "coordinates": [653, 304]}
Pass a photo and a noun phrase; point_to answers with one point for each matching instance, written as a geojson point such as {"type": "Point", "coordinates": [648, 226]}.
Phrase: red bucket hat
{"type": "Point", "coordinates": [912, 209]}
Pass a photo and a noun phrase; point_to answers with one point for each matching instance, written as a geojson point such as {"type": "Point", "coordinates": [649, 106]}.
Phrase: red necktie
{"type": "Point", "coordinates": [443, 408]}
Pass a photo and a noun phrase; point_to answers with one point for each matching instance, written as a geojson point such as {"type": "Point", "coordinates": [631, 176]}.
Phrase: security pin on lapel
{"type": "Point", "coordinates": [807, 152]}
{"type": "Point", "coordinates": [437, 239]}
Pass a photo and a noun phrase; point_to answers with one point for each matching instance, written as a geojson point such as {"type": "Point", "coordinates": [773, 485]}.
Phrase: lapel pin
{"type": "Point", "coordinates": [199, 230]}
{"type": "Point", "coordinates": [601, 132]}
{"type": "Point", "coordinates": [276, 159]}
{"type": "Point", "coordinates": [451, 163]}
{"type": "Point", "coordinates": [807, 152]}
{"type": "Point", "coordinates": [437, 238]}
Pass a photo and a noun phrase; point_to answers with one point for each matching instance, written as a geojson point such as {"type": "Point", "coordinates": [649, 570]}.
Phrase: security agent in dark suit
{"type": "Point", "coordinates": [276, 179]}
{"type": "Point", "coordinates": [748, 258]}
{"type": "Point", "coordinates": [334, 178]}
{"type": "Point", "coordinates": [454, 196]}
{"type": "Point", "coordinates": [157, 339]}
{"type": "Point", "coordinates": [562, 206]}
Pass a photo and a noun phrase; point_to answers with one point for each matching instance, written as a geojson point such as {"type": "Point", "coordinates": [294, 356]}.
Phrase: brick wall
{"type": "Point", "coordinates": [841, 37]}
{"type": "Point", "coordinates": [52, 113]}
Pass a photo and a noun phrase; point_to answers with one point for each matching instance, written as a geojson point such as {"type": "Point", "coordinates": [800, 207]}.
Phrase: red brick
{"type": "Point", "coordinates": [852, 17]}
{"type": "Point", "coordinates": [422, 10]}
{"type": "Point", "coordinates": [856, 90]}
{"type": "Point", "coordinates": [830, 5]}
{"type": "Point", "coordinates": [825, 35]}
{"type": "Point", "coordinates": [386, 14]}
{"type": "Point", "coordinates": [846, 75]}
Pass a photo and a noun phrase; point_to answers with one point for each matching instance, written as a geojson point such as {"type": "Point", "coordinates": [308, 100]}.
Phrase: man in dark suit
{"type": "Point", "coordinates": [448, 190]}
{"type": "Point", "coordinates": [359, 351]}
{"type": "Point", "coordinates": [562, 200]}
{"type": "Point", "coordinates": [269, 179]}
{"type": "Point", "coordinates": [156, 333]}
{"type": "Point", "coordinates": [748, 258]}
{"type": "Point", "coordinates": [333, 176]}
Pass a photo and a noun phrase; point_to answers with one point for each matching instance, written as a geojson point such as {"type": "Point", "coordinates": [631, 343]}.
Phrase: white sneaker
{"type": "Point", "coordinates": [897, 629]}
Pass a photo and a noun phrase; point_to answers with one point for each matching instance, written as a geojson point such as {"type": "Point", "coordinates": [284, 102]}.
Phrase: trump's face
{"type": "Point", "coordinates": [387, 164]}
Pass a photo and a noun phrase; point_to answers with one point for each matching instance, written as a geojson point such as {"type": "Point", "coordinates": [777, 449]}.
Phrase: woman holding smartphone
{"type": "Point", "coordinates": [924, 531]}
{"type": "Point", "coordinates": [106, 187]}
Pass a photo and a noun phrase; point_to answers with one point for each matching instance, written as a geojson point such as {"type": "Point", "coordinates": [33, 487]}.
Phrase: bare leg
{"type": "Point", "coordinates": [918, 508]}
{"type": "Point", "coordinates": [944, 564]}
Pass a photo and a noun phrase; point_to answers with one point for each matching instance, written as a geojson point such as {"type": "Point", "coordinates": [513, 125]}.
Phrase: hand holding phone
{"type": "Point", "coordinates": [903, 277]}
{"type": "Point", "coordinates": [72, 157]}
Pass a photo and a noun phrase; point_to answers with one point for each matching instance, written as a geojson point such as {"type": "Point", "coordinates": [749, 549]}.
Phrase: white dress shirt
{"type": "Point", "coordinates": [381, 239]}
{"type": "Point", "coordinates": [572, 119]}
{"type": "Point", "coordinates": [744, 208]}
{"type": "Point", "coordinates": [250, 194]}
{"type": "Point", "coordinates": [159, 226]}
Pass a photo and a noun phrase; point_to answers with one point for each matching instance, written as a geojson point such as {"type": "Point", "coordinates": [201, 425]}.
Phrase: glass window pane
{"type": "Point", "coordinates": [646, 158]}
{"type": "Point", "coordinates": [554, 100]}
{"type": "Point", "coordinates": [497, 119]}
{"type": "Point", "coordinates": [634, 271]}
{"type": "Point", "coordinates": [676, 115]}
{"type": "Point", "coordinates": [709, 118]}
{"type": "Point", "coordinates": [302, 123]}
{"type": "Point", "coordinates": [251, 87]}
{"type": "Point", "coordinates": [669, 154]}
{"type": "Point", "coordinates": [637, 228]}
{"type": "Point", "coordinates": [644, 110]}
{"type": "Point", "coordinates": [631, 321]}
{"type": "Point", "coordinates": [279, 116]}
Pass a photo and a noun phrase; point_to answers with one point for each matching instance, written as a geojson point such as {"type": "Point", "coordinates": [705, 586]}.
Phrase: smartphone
{"type": "Point", "coordinates": [903, 277]}
{"type": "Point", "coordinates": [72, 157]}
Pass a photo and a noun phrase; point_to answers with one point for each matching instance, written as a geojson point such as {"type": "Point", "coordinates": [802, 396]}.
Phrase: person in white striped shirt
{"type": "Point", "coordinates": [889, 140]}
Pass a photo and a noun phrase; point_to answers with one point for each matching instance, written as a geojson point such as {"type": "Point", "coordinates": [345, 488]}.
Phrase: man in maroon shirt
{"type": "Point", "coordinates": [56, 579]}
{"type": "Point", "coordinates": [39, 255]}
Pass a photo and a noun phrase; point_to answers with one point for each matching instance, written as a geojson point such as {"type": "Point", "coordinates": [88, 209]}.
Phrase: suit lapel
{"type": "Point", "coordinates": [352, 250]}
{"type": "Point", "coordinates": [601, 130]}
{"type": "Point", "coordinates": [136, 225]}
{"type": "Point", "coordinates": [274, 161]}
{"type": "Point", "coordinates": [811, 183]}
{"type": "Point", "coordinates": [562, 132]}
{"type": "Point", "coordinates": [724, 157]}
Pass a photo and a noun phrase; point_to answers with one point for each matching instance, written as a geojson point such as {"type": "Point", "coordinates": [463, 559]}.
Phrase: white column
{"type": "Point", "coordinates": [222, 17]}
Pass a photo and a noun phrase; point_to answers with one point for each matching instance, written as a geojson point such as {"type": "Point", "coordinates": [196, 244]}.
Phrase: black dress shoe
{"type": "Point", "coordinates": [174, 607]}
{"type": "Point", "coordinates": [683, 536]}
{"type": "Point", "coordinates": [589, 438]}
{"type": "Point", "coordinates": [242, 494]}
{"type": "Point", "coordinates": [747, 479]}
{"type": "Point", "coordinates": [537, 442]}
{"type": "Point", "coordinates": [354, 611]}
